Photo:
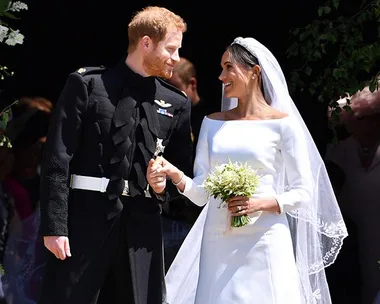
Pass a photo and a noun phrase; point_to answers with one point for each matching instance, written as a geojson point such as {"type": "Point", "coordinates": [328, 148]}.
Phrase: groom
{"type": "Point", "coordinates": [100, 221]}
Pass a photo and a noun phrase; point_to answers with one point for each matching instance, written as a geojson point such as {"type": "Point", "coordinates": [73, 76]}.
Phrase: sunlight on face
{"type": "Point", "coordinates": [161, 60]}
{"type": "Point", "coordinates": [234, 77]}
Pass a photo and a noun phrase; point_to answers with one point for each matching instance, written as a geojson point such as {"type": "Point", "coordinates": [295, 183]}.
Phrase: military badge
{"type": "Point", "coordinates": [162, 103]}
{"type": "Point", "coordinates": [164, 112]}
{"type": "Point", "coordinates": [159, 147]}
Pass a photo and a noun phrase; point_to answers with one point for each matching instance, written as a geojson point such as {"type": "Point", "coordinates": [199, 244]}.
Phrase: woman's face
{"type": "Point", "coordinates": [236, 78]}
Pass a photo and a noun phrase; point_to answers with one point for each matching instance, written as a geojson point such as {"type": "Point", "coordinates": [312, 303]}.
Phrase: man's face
{"type": "Point", "coordinates": [164, 55]}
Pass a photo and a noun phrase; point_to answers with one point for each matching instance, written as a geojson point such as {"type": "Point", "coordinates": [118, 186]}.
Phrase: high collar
{"type": "Point", "coordinates": [132, 77]}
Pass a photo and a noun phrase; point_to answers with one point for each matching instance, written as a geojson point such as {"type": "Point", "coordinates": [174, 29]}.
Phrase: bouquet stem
{"type": "Point", "coordinates": [240, 220]}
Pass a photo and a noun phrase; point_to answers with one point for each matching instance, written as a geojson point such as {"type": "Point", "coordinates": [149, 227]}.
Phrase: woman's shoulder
{"type": "Point", "coordinates": [217, 116]}
{"type": "Point", "coordinates": [275, 114]}
{"type": "Point", "coordinates": [230, 115]}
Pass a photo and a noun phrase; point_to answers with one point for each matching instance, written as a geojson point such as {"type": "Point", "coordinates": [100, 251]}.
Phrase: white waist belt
{"type": "Point", "coordinates": [89, 183]}
{"type": "Point", "coordinates": [97, 184]}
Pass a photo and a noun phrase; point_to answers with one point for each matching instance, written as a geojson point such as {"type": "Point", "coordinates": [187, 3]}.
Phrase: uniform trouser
{"type": "Point", "coordinates": [126, 269]}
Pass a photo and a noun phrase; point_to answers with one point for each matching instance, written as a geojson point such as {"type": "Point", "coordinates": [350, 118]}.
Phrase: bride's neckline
{"type": "Point", "coordinates": [240, 120]}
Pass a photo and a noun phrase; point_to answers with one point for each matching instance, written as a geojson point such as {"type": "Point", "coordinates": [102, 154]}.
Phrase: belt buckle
{"type": "Point", "coordinates": [126, 189]}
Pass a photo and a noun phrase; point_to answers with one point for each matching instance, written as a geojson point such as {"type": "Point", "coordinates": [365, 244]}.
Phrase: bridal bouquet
{"type": "Point", "coordinates": [232, 179]}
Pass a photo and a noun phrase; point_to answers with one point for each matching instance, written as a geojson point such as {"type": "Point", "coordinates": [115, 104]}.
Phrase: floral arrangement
{"type": "Point", "coordinates": [232, 179]}
{"type": "Point", "coordinates": [9, 35]}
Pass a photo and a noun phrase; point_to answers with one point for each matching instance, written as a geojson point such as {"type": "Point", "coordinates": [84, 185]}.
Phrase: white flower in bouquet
{"type": "Point", "coordinates": [232, 179]}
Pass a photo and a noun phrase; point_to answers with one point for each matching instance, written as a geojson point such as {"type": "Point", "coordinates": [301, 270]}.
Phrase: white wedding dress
{"type": "Point", "coordinates": [254, 264]}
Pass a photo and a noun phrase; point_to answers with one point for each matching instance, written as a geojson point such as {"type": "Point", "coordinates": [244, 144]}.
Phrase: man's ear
{"type": "Point", "coordinates": [146, 43]}
{"type": "Point", "coordinates": [193, 83]}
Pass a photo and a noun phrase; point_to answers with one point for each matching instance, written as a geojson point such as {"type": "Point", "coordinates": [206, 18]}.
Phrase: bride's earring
{"type": "Point", "coordinates": [253, 77]}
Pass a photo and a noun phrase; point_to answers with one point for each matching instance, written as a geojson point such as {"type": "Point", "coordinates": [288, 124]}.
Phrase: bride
{"type": "Point", "coordinates": [296, 227]}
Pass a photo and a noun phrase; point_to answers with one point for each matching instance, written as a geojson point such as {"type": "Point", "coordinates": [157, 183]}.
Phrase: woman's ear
{"type": "Point", "coordinates": [256, 71]}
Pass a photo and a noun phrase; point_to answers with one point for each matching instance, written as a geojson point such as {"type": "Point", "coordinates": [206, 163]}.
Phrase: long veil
{"type": "Point", "coordinates": [317, 229]}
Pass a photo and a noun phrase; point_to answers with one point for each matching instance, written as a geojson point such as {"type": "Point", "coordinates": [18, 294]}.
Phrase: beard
{"type": "Point", "coordinates": [155, 66]}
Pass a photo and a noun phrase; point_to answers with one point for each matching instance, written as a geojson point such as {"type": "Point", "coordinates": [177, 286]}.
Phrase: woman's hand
{"type": "Point", "coordinates": [241, 205]}
{"type": "Point", "coordinates": [175, 174]}
{"type": "Point", "coordinates": [161, 167]}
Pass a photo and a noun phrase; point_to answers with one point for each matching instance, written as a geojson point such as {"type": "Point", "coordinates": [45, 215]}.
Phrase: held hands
{"type": "Point", "coordinates": [58, 245]}
{"type": "Point", "coordinates": [157, 172]}
{"type": "Point", "coordinates": [154, 175]}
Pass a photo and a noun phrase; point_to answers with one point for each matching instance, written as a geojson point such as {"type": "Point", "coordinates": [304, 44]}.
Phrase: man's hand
{"type": "Point", "coordinates": [155, 177]}
{"type": "Point", "coordinates": [58, 245]}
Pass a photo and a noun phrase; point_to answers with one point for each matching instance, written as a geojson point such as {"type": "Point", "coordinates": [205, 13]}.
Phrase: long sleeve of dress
{"type": "Point", "coordinates": [297, 168]}
{"type": "Point", "coordinates": [62, 142]}
{"type": "Point", "coordinates": [193, 188]}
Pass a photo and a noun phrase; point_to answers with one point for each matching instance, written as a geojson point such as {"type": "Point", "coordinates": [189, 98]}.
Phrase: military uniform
{"type": "Point", "coordinates": [104, 131]}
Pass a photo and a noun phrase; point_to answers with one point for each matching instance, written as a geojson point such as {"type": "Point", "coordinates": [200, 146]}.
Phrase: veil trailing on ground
{"type": "Point", "coordinates": [317, 227]}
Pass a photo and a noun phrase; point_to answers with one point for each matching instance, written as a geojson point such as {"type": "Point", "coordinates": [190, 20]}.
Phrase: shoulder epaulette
{"type": "Point", "coordinates": [91, 70]}
{"type": "Point", "coordinates": [171, 87]}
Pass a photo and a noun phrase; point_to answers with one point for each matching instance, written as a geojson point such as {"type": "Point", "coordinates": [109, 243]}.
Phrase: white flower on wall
{"type": "Point", "coordinates": [17, 6]}
{"type": "Point", "coordinates": [14, 38]}
{"type": "Point", "coordinates": [3, 32]}
{"type": "Point", "coordinates": [9, 35]}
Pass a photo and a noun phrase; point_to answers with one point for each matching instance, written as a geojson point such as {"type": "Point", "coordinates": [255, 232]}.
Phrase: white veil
{"type": "Point", "coordinates": [317, 229]}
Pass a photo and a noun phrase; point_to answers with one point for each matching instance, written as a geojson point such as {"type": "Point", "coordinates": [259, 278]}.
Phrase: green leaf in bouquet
{"type": "Point", "coordinates": [240, 220]}
{"type": "Point", "coordinates": [232, 179]}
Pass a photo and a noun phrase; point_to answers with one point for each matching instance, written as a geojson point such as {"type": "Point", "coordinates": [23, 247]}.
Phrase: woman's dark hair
{"type": "Point", "coordinates": [241, 56]}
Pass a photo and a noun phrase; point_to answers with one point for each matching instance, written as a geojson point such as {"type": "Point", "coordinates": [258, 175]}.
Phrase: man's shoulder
{"type": "Point", "coordinates": [100, 79]}
{"type": "Point", "coordinates": [86, 74]}
{"type": "Point", "coordinates": [166, 85]}
{"type": "Point", "coordinates": [90, 71]}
